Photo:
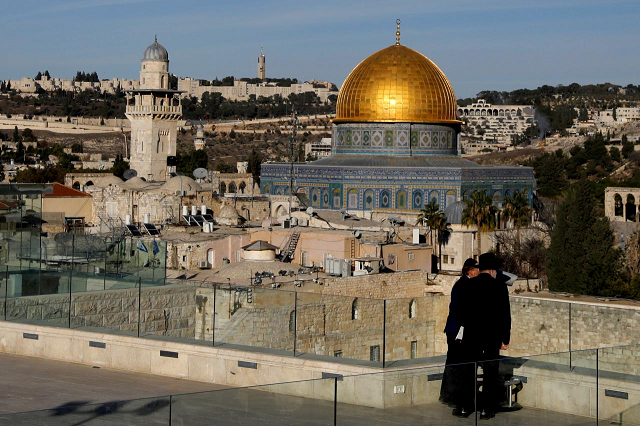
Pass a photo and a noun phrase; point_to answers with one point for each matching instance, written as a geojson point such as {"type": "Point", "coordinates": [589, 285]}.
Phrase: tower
{"type": "Point", "coordinates": [154, 110]}
{"type": "Point", "coordinates": [199, 141]}
{"type": "Point", "coordinates": [262, 66]}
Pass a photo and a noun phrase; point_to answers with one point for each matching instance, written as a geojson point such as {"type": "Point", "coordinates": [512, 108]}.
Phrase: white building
{"type": "Point", "coordinates": [318, 149]}
{"type": "Point", "coordinates": [241, 90]}
{"type": "Point", "coordinates": [498, 122]}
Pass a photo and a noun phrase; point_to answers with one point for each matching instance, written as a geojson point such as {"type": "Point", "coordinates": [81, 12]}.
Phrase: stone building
{"type": "Point", "coordinates": [262, 66]}
{"type": "Point", "coordinates": [395, 145]}
{"type": "Point", "coordinates": [498, 122]}
{"type": "Point", "coordinates": [154, 110]}
{"type": "Point", "coordinates": [622, 204]}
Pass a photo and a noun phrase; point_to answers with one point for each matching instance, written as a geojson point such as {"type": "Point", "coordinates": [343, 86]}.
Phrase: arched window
{"type": "Point", "coordinates": [385, 199]}
{"type": "Point", "coordinates": [354, 310]}
{"type": "Point", "coordinates": [368, 199]}
{"type": "Point", "coordinates": [618, 210]}
{"type": "Point", "coordinates": [434, 197]}
{"type": "Point", "coordinates": [242, 187]}
{"type": "Point", "coordinates": [630, 209]}
{"type": "Point", "coordinates": [401, 199]}
{"type": "Point", "coordinates": [223, 188]}
{"type": "Point", "coordinates": [232, 187]}
{"type": "Point", "coordinates": [292, 321]}
{"type": "Point", "coordinates": [352, 199]}
{"type": "Point", "coordinates": [267, 189]}
{"type": "Point", "coordinates": [412, 309]}
{"type": "Point", "coordinates": [337, 202]}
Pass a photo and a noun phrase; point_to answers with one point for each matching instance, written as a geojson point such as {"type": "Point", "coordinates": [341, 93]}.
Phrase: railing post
{"type": "Point", "coordinates": [73, 250]}
{"type": "Point", "coordinates": [170, 404]}
{"type": "Point", "coordinates": [475, 391]}
{"type": "Point", "coordinates": [295, 321]}
{"type": "Point", "coordinates": [384, 330]}
{"type": "Point", "coordinates": [597, 388]}
{"type": "Point", "coordinates": [213, 322]}
{"type": "Point", "coordinates": [6, 292]}
{"type": "Point", "coordinates": [335, 401]}
{"type": "Point", "coordinates": [570, 353]}
{"type": "Point", "coordinates": [139, 302]}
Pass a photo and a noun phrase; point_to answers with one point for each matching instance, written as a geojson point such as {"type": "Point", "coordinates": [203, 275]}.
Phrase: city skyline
{"type": "Point", "coordinates": [494, 46]}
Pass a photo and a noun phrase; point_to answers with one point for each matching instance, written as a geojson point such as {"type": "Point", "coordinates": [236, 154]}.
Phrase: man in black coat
{"type": "Point", "coordinates": [457, 387]}
{"type": "Point", "coordinates": [485, 316]}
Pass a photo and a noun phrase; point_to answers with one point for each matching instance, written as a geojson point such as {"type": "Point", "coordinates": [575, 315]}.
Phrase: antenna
{"type": "Point", "coordinates": [131, 173]}
{"type": "Point", "coordinates": [200, 173]}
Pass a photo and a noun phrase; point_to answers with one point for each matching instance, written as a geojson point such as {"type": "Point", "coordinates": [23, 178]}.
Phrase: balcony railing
{"type": "Point", "coordinates": [161, 109]}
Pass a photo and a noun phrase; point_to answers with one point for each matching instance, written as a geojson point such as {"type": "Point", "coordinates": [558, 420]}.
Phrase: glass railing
{"type": "Point", "coordinates": [577, 388]}
{"type": "Point", "coordinates": [393, 333]}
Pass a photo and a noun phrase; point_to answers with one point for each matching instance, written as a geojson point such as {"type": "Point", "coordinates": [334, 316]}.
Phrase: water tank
{"type": "Point", "coordinates": [294, 221]}
{"type": "Point", "coordinates": [194, 210]}
{"type": "Point", "coordinates": [147, 218]}
{"type": "Point", "coordinates": [206, 227]}
{"type": "Point", "coordinates": [203, 209]}
{"type": "Point", "coordinates": [185, 210]}
{"type": "Point", "coordinates": [127, 219]}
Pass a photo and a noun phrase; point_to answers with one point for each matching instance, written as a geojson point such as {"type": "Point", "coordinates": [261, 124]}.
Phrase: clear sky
{"type": "Point", "coordinates": [479, 44]}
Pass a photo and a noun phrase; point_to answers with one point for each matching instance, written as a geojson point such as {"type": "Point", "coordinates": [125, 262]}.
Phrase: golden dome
{"type": "Point", "coordinates": [397, 85]}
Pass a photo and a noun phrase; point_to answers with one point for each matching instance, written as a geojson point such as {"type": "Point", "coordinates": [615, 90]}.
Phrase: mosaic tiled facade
{"type": "Point", "coordinates": [394, 138]}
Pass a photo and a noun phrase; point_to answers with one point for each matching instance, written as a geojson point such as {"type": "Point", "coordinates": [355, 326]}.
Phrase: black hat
{"type": "Point", "coordinates": [489, 261]}
{"type": "Point", "coordinates": [470, 263]}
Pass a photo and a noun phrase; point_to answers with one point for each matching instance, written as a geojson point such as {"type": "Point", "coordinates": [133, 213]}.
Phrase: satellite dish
{"type": "Point", "coordinates": [200, 173]}
{"type": "Point", "coordinates": [310, 211]}
{"type": "Point", "coordinates": [357, 234]}
{"type": "Point", "coordinates": [129, 174]}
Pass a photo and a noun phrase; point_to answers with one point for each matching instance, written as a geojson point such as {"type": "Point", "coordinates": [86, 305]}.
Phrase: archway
{"type": "Point", "coordinates": [401, 199]}
{"type": "Point", "coordinates": [223, 188]}
{"type": "Point", "coordinates": [630, 209]}
{"type": "Point", "coordinates": [618, 209]}
{"type": "Point", "coordinates": [280, 211]}
{"type": "Point", "coordinates": [232, 187]}
{"type": "Point", "coordinates": [76, 185]}
{"type": "Point", "coordinates": [242, 187]}
{"type": "Point", "coordinates": [337, 199]}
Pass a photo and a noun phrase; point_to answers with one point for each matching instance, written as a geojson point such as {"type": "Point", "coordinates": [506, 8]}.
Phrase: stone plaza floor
{"type": "Point", "coordinates": [71, 394]}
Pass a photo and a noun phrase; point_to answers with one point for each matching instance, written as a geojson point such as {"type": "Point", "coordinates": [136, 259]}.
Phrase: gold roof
{"type": "Point", "coordinates": [396, 84]}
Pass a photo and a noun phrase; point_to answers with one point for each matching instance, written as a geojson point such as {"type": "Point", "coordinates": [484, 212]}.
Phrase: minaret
{"type": "Point", "coordinates": [262, 65]}
{"type": "Point", "coordinates": [199, 141]}
{"type": "Point", "coordinates": [154, 110]}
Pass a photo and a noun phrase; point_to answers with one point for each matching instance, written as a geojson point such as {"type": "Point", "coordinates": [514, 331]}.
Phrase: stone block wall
{"type": "Point", "coordinates": [167, 310]}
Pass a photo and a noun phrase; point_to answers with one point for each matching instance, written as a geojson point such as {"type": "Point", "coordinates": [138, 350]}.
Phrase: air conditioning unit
{"type": "Point", "coordinates": [203, 264]}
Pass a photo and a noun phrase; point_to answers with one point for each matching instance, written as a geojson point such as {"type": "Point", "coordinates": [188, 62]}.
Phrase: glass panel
{"type": "Point", "coordinates": [254, 317]}
{"type": "Point", "coordinates": [139, 412]}
{"type": "Point", "coordinates": [412, 396]}
{"type": "Point", "coordinates": [554, 389]}
{"type": "Point", "coordinates": [618, 390]}
{"type": "Point", "coordinates": [305, 402]}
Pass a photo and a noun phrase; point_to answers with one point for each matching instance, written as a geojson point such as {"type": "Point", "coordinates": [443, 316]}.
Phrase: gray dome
{"type": "Point", "coordinates": [454, 212]}
{"type": "Point", "coordinates": [155, 52]}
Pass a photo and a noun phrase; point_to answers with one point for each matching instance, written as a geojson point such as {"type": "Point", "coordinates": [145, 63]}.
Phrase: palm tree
{"type": "Point", "coordinates": [427, 217]}
{"type": "Point", "coordinates": [516, 208]}
{"type": "Point", "coordinates": [480, 212]}
{"type": "Point", "coordinates": [443, 232]}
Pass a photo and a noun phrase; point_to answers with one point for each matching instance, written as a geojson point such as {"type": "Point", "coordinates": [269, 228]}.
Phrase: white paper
{"type": "Point", "coordinates": [460, 332]}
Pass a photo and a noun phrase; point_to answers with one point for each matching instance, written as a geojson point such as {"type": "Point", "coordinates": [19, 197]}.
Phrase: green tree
{"type": "Point", "coordinates": [481, 213]}
{"type": "Point", "coordinates": [119, 166]}
{"type": "Point", "coordinates": [254, 165]}
{"type": "Point", "coordinates": [516, 209]}
{"type": "Point", "coordinates": [442, 230]}
{"type": "Point", "coordinates": [428, 216]}
{"type": "Point", "coordinates": [16, 135]}
{"type": "Point", "coordinates": [582, 258]}
{"type": "Point", "coordinates": [549, 173]}
{"type": "Point", "coordinates": [614, 153]}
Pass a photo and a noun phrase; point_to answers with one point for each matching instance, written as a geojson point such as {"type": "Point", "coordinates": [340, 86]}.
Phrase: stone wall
{"type": "Point", "coordinates": [381, 286]}
{"type": "Point", "coordinates": [167, 310]}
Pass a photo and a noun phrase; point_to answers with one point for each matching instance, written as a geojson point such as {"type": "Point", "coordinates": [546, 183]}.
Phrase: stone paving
{"type": "Point", "coordinates": [87, 396]}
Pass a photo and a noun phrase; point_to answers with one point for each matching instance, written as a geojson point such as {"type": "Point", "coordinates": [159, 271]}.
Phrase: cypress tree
{"type": "Point", "coordinates": [582, 258]}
